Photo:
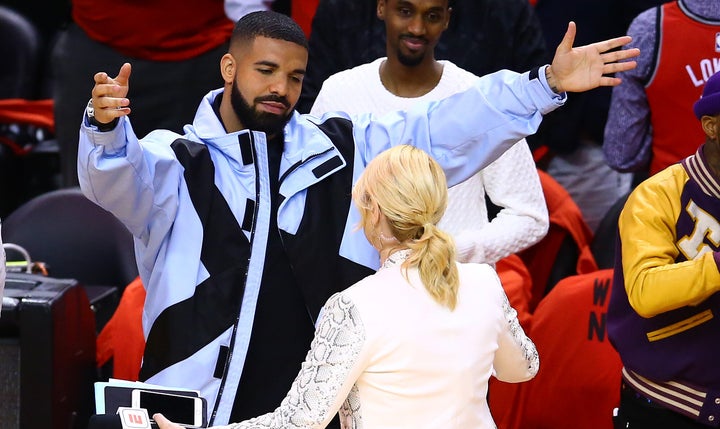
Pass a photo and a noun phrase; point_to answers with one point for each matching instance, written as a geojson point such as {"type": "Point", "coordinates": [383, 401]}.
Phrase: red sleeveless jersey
{"type": "Point", "coordinates": [688, 54]}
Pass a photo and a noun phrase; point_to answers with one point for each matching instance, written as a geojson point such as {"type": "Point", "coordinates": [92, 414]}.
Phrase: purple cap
{"type": "Point", "coordinates": [709, 102]}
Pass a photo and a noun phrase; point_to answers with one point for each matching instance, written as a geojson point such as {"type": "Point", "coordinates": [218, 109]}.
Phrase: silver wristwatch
{"type": "Point", "coordinates": [90, 112]}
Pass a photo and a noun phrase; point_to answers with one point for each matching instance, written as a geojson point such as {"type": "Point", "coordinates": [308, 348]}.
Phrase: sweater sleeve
{"type": "Point", "coordinates": [516, 358]}
{"type": "Point", "coordinates": [628, 133]}
{"type": "Point", "coordinates": [512, 183]}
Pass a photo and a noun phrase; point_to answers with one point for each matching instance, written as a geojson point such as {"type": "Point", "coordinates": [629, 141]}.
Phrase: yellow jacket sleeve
{"type": "Point", "coordinates": [654, 281]}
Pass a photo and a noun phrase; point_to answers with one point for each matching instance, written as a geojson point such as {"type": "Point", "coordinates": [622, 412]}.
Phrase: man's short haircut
{"type": "Point", "coordinates": [268, 24]}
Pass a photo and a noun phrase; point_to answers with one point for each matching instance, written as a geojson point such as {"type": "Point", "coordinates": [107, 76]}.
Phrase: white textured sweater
{"type": "Point", "coordinates": [511, 181]}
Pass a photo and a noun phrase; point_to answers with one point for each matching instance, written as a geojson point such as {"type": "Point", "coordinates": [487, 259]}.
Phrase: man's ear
{"type": "Point", "coordinates": [709, 125]}
{"type": "Point", "coordinates": [380, 11]}
{"type": "Point", "coordinates": [449, 17]}
{"type": "Point", "coordinates": [227, 68]}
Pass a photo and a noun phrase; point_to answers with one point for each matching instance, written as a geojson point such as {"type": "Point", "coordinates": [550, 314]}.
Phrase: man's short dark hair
{"type": "Point", "coordinates": [268, 24]}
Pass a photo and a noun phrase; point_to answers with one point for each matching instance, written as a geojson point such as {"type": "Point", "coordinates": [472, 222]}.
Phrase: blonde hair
{"type": "Point", "coordinates": [410, 189]}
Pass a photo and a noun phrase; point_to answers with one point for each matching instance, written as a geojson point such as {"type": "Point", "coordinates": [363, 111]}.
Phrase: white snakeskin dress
{"type": "Point", "coordinates": [386, 355]}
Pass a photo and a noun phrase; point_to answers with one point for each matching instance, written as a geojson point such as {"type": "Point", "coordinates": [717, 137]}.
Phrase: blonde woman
{"type": "Point", "coordinates": [413, 345]}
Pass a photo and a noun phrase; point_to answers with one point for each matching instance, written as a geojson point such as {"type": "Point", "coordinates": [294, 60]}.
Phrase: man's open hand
{"type": "Point", "coordinates": [586, 67]}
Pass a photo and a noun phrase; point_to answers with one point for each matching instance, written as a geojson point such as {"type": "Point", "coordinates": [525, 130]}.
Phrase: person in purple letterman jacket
{"type": "Point", "coordinates": [662, 316]}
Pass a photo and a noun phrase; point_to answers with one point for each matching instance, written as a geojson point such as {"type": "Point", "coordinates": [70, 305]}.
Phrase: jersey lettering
{"type": "Point", "coordinates": [598, 319]}
{"type": "Point", "coordinates": [707, 228]}
{"type": "Point", "coordinates": [708, 67]}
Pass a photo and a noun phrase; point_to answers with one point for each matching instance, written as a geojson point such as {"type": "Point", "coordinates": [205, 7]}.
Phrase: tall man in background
{"type": "Point", "coordinates": [410, 74]}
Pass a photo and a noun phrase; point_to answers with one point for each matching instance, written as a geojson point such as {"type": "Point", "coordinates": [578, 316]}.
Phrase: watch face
{"type": "Point", "coordinates": [90, 110]}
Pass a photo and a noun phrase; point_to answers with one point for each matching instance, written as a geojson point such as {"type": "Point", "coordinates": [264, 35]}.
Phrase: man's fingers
{"type": "Point", "coordinates": [111, 92]}
{"type": "Point", "coordinates": [610, 81]}
{"type": "Point", "coordinates": [107, 86]}
{"type": "Point", "coordinates": [609, 69]}
{"type": "Point", "coordinates": [108, 90]}
{"type": "Point", "coordinates": [105, 116]}
{"type": "Point", "coordinates": [609, 44]}
{"type": "Point", "coordinates": [164, 423]}
{"type": "Point", "coordinates": [616, 61]}
{"type": "Point", "coordinates": [101, 78]}
{"type": "Point", "coordinates": [103, 103]}
{"type": "Point", "coordinates": [624, 54]}
{"type": "Point", "coordinates": [618, 67]}
{"type": "Point", "coordinates": [123, 76]}
{"type": "Point", "coordinates": [615, 56]}
{"type": "Point", "coordinates": [567, 42]}
{"type": "Point", "coordinates": [109, 108]}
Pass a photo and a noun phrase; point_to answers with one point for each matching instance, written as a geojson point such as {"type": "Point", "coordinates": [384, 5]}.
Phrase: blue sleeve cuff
{"type": "Point", "coordinates": [539, 74]}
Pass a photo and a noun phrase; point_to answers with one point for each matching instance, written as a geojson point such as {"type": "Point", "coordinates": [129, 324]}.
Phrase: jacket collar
{"type": "Point", "coordinates": [698, 169]}
{"type": "Point", "coordinates": [303, 139]}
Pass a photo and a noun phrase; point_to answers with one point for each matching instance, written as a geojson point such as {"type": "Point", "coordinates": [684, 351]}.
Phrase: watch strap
{"type": "Point", "coordinates": [90, 113]}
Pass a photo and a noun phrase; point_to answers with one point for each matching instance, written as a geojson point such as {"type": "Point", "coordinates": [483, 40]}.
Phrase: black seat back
{"type": "Point", "coordinates": [75, 237]}
{"type": "Point", "coordinates": [21, 52]}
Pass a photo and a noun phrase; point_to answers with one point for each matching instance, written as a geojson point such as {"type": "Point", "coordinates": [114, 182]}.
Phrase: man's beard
{"type": "Point", "coordinates": [410, 60]}
{"type": "Point", "coordinates": [269, 123]}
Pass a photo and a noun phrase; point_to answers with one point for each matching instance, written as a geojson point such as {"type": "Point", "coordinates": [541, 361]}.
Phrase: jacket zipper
{"type": "Point", "coordinates": [237, 319]}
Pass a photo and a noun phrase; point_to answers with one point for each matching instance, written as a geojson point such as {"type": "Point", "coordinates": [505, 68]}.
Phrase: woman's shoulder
{"type": "Point", "coordinates": [478, 279]}
{"type": "Point", "coordinates": [476, 269]}
{"type": "Point", "coordinates": [380, 280]}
